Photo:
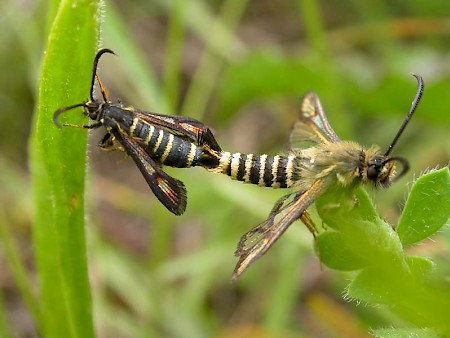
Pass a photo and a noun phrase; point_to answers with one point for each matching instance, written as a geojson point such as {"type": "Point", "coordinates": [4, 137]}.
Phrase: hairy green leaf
{"type": "Point", "coordinates": [427, 208]}
{"type": "Point", "coordinates": [58, 166]}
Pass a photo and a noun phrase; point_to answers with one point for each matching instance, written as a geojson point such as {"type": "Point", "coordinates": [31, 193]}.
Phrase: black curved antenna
{"type": "Point", "coordinates": [94, 72]}
{"type": "Point", "coordinates": [94, 76]}
{"type": "Point", "coordinates": [414, 105]}
{"type": "Point", "coordinates": [405, 166]}
{"type": "Point", "coordinates": [62, 110]}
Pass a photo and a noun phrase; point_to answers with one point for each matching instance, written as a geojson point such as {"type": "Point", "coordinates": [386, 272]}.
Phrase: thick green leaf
{"type": "Point", "coordinates": [370, 288]}
{"type": "Point", "coordinates": [427, 208]}
{"type": "Point", "coordinates": [58, 166]}
{"type": "Point", "coordinates": [342, 203]}
{"type": "Point", "coordinates": [334, 253]}
{"type": "Point", "coordinates": [421, 267]}
{"type": "Point", "coordinates": [362, 239]}
{"type": "Point", "coordinates": [391, 284]}
{"type": "Point", "coordinates": [402, 287]}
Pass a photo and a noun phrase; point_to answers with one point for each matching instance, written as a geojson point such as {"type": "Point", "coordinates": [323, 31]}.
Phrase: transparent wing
{"type": "Point", "coordinates": [312, 127]}
{"type": "Point", "coordinates": [287, 210]}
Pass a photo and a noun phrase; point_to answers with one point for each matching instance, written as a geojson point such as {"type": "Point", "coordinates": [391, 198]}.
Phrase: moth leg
{"type": "Point", "coordinates": [91, 126]}
{"type": "Point", "coordinates": [306, 220]}
{"type": "Point", "coordinates": [109, 143]}
{"type": "Point", "coordinates": [106, 142]}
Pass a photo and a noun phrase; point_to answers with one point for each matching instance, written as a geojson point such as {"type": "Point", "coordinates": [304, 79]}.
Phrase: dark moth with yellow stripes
{"type": "Point", "coordinates": [317, 160]}
{"type": "Point", "coordinates": [151, 140]}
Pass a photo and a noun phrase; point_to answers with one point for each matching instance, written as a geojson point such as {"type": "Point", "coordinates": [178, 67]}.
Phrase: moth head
{"type": "Point", "coordinates": [94, 110]}
{"type": "Point", "coordinates": [381, 170]}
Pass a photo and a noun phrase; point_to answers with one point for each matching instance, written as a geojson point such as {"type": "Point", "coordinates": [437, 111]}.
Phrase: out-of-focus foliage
{"type": "Point", "coordinates": [241, 67]}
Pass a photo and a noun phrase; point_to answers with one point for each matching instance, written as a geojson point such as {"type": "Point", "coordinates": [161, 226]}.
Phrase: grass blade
{"type": "Point", "coordinates": [58, 166]}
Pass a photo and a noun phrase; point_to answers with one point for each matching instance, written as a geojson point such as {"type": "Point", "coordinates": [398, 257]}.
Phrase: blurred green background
{"type": "Point", "coordinates": [241, 67]}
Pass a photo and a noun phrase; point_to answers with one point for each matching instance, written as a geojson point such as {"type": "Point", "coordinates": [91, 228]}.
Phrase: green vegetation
{"type": "Point", "coordinates": [359, 240]}
{"type": "Point", "coordinates": [58, 175]}
{"type": "Point", "coordinates": [240, 67]}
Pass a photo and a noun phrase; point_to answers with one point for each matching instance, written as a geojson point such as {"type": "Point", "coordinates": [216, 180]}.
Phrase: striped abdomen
{"type": "Point", "coordinates": [263, 170]}
{"type": "Point", "coordinates": [165, 147]}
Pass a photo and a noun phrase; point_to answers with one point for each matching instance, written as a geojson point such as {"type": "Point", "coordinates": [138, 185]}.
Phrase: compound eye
{"type": "Point", "coordinates": [94, 110]}
{"type": "Point", "coordinates": [93, 114]}
{"type": "Point", "coordinates": [372, 172]}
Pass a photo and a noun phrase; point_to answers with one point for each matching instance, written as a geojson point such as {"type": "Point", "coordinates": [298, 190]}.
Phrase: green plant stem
{"type": "Point", "coordinates": [58, 166]}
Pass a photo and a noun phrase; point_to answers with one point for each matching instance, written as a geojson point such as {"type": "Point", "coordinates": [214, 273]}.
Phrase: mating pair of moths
{"type": "Point", "coordinates": [152, 140]}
